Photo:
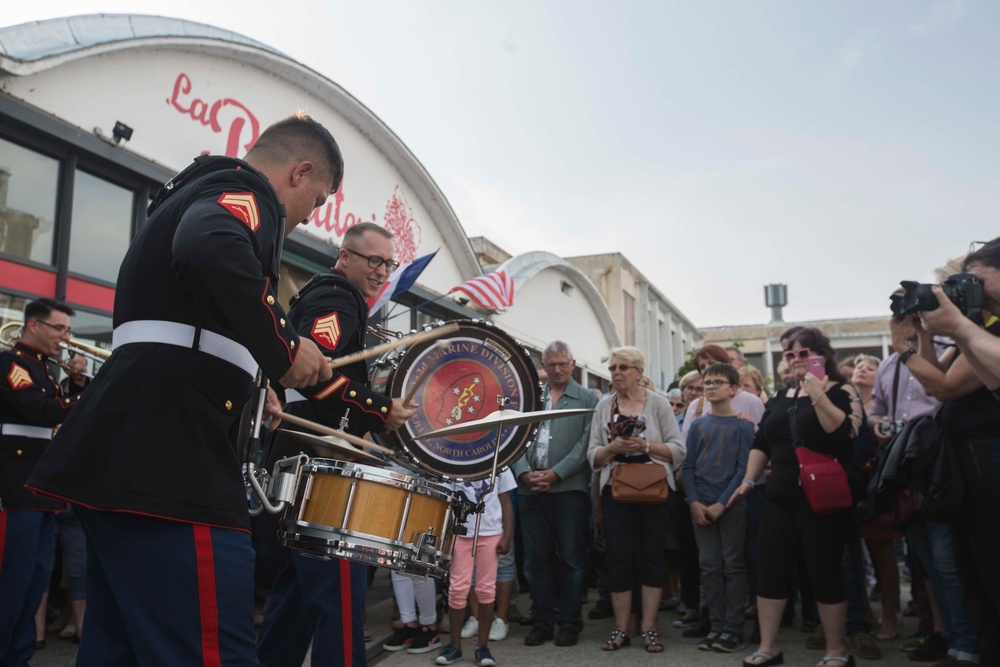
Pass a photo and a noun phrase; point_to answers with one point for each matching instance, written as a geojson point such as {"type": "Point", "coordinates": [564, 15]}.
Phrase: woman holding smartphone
{"type": "Point", "coordinates": [827, 416]}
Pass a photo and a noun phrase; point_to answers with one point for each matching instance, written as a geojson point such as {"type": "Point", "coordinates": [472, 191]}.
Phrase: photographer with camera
{"type": "Point", "coordinates": [980, 346]}
{"type": "Point", "coordinates": [898, 398]}
{"type": "Point", "coordinates": [970, 423]}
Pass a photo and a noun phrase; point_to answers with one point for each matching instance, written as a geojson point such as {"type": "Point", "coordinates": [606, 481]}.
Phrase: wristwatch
{"type": "Point", "coordinates": [903, 358]}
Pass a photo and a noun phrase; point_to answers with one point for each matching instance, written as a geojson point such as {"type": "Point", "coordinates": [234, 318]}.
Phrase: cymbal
{"type": "Point", "coordinates": [507, 417]}
{"type": "Point", "coordinates": [336, 448]}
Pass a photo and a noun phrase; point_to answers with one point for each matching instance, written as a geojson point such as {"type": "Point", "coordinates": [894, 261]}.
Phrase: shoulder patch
{"type": "Point", "coordinates": [18, 377]}
{"type": "Point", "coordinates": [326, 331]}
{"type": "Point", "coordinates": [244, 206]}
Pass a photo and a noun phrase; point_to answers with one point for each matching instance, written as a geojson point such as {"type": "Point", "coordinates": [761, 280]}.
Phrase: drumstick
{"type": "Point", "coordinates": [420, 378]}
{"type": "Point", "coordinates": [326, 430]}
{"type": "Point", "coordinates": [402, 342]}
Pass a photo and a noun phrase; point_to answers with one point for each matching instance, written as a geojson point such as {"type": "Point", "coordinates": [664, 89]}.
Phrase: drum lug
{"type": "Point", "coordinates": [427, 542]}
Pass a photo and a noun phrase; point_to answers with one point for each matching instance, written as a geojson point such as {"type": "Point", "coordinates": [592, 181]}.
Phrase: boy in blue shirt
{"type": "Point", "coordinates": [717, 448]}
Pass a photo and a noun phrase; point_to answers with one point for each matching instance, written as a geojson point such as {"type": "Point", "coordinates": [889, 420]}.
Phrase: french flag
{"type": "Point", "coordinates": [401, 280]}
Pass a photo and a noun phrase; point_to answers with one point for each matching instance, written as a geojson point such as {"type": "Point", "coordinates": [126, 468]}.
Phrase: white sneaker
{"type": "Point", "coordinates": [498, 630]}
{"type": "Point", "coordinates": [471, 628]}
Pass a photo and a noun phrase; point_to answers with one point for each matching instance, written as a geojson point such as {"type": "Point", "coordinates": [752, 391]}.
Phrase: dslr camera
{"type": "Point", "coordinates": [889, 428]}
{"type": "Point", "coordinates": [962, 289]}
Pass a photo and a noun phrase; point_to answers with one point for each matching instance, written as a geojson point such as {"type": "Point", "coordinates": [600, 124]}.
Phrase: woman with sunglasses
{"type": "Point", "coordinates": [827, 416]}
{"type": "Point", "coordinates": [636, 534]}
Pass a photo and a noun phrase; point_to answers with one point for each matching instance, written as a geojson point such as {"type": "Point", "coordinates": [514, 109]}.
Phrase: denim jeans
{"type": "Point", "coordinates": [723, 569]}
{"type": "Point", "coordinates": [854, 584]}
{"type": "Point", "coordinates": [550, 523]}
{"type": "Point", "coordinates": [937, 555]}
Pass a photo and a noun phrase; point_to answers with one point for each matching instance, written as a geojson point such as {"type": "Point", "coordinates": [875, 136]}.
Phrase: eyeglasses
{"type": "Point", "coordinates": [694, 389]}
{"type": "Point", "coordinates": [712, 384]}
{"type": "Point", "coordinates": [620, 367]}
{"type": "Point", "coordinates": [374, 261]}
{"type": "Point", "coordinates": [559, 364]}
{"type": "Point", "coordinates": [803, 353]}
{"type": "Point", "coordinates": [61, 328]}
{"type": "Point", "coordinates": [678, 404]}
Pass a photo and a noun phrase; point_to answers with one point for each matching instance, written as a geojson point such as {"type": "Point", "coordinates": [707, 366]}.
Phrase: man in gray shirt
{"type": "Point", "coordinates": [553, 478]}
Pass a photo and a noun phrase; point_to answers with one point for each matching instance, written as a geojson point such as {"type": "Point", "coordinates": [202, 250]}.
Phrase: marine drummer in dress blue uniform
{"type": "Point", "coordinates": [149, 456]}
{"type": "Point", "coordinates": [32, 402]}
{"type": "Point", "coordinates": [318, 601]}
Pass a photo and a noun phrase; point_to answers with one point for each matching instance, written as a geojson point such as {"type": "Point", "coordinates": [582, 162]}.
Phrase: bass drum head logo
{"type": "Point", "coordinates": [461, 380]}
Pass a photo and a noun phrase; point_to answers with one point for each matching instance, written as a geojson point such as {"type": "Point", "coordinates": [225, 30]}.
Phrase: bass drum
{"type": "Point", "coordinates": [460, 379]}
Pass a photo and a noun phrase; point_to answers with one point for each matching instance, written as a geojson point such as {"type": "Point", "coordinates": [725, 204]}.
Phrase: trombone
{"type": "Point", "coordinates": [11, 332]}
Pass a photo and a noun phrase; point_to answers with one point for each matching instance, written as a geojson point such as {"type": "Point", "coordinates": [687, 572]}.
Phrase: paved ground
{"type": "Point", "coordinates": [512, 651]}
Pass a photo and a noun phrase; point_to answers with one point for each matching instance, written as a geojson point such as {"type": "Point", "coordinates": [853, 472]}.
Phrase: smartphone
{"type": "Point", "coordinates": [817, 366]}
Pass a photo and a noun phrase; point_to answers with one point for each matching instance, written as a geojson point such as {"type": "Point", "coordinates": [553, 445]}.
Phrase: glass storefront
{"type": "Point", "coordinates": [29, 186]}
{"type": "Point", "coordinates": [101, 226]}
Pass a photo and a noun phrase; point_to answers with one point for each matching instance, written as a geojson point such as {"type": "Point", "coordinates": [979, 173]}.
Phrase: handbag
{"type": "Point", "coordinates": [822, 478]}
{"type": "Point", "coordinates": [639, 483]}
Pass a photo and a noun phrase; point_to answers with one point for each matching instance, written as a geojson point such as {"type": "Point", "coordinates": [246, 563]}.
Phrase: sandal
{"type": "Point", "coordinates": [651, 639]}
{"type": "Point", "coordinates": [613, 643]}
{"type": "Point", "coordinates": [845, 660]}
{"type": "Point", "coordinates": [769, 660]}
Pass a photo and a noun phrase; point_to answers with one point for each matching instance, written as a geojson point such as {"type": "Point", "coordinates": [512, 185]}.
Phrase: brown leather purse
{"type": "Point", "coordinates": [639, 483]}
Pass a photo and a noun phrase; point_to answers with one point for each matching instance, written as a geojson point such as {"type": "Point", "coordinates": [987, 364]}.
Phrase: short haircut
{"type": "Point", "coordinates": [674, 394]}
{"type": "Point", "coordinates": [727, 371]}
{"type": "Point", "coordinates": [355, 232]}
{"type": "Point", "coordinates": [298, 138]}
{"type": "Point", "coordinates": [630, 354]}
{"type": "Point", "coordinates": [39, 309]}
{"type": "Point", "coordinates": [738, 351]}
{"type": "Point", "coordinates": [689, 378]}
{"type": "Point", "coordinates": [850, 360]}
{"type": "Point", "coordinates": [712, 354]}
{"type": "Point", "coordinates": [988, 255]}
{"type": "Point", "coordinates": [867, 358]}
{"type": "Point", "coordinates": [556, 347]}
{"type": "Point", "coordinates": [755, 376]}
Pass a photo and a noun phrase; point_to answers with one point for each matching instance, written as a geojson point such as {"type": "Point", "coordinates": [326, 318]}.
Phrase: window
{"type": "Point", "coordinates": [29, 183]}
{"type": "Point", "coordinates": [101, 227]}
{"type": "Point", "coordinates": [629, 320]}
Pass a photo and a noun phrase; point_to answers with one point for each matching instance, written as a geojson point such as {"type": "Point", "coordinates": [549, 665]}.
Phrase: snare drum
{"type": "Point", "coordinates": [460, 382]}
{"type": "Point", "coordinates": [370, 515]}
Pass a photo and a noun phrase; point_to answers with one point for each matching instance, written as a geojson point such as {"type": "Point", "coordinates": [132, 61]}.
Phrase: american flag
{"type": "Point", "coordinates": [494, 291]}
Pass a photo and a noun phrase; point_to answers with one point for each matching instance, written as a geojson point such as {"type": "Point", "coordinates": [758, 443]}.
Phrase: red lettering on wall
{"type": "Point", "coordinates": [327, 216]}
{"type": "Point", "coordinates": [241, 122]}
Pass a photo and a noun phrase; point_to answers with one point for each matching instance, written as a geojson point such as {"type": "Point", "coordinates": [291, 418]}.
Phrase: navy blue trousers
{"type": "Point", "coordinates": [166, 593]}
{"type": "Point", "coordinates": [318, 601]}
{"type": "Point", "coordinates": [27, 539]}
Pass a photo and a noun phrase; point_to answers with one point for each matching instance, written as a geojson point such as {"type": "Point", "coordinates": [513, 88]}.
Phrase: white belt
{"type": "Point", "coordinates": [182, 335]}
{"type": "Point", "coordinates": [292, 396]}
{"type": "Point", "coordinates": [25, 431]}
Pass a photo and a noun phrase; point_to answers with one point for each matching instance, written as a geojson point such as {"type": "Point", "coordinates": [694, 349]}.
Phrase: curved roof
{"type": "Point", "coordinates": [522, 268]}
{"type": "Point", "coordinates": [42, 45]}
{"type": "Point", "coordinates": [38, 40]}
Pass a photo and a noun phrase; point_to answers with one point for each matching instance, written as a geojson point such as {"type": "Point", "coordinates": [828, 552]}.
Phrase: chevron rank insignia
{"type": "Point", "coordinates": [19, 378]}
{"type": "Point", "coordinates": [244, 206]}
{"type": "Point", "coordinates": [326, 331]}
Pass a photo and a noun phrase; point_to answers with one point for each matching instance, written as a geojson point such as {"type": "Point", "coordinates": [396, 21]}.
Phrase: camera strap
{"type": "Point", "coordinates": [895, 387]}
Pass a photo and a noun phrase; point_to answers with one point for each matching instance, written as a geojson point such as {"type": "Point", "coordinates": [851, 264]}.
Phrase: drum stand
{"type": "Point", "coordinates": [503, 402]}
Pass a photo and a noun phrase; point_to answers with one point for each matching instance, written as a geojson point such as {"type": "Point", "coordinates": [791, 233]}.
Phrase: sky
{"type": "Point", "coordinates": [720, 145]}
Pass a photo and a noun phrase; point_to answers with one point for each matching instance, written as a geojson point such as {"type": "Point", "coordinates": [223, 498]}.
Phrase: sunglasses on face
{"type": "Point", "coordinates": [677, 405]}
{"type": "Point", "coordinates": [802, 353]}
{"type": "Point", "coordinates": [620, 367]}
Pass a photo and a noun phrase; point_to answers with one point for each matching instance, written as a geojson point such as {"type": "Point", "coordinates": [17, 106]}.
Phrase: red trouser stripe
{"type": "Point", "coordinates": [207, 603]}
{"type": "Point", "coordinates": [3, 536]}
{"type": "Point", "coordinates": [346, 610]}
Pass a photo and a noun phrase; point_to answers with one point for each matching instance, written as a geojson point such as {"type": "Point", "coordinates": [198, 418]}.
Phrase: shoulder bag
{"type": "Point", "coordinates": [822, 477]}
